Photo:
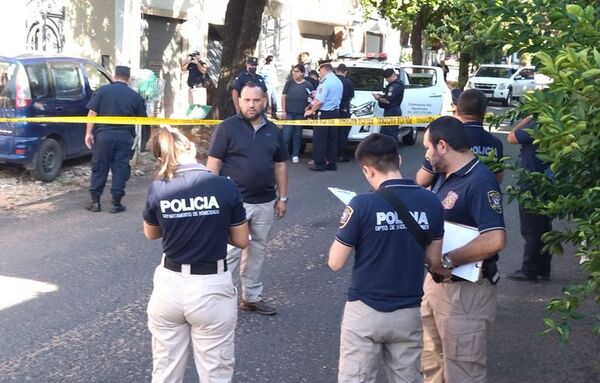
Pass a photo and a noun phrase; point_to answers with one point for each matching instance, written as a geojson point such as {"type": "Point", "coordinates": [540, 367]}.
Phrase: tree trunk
{"type": "Point", "coordinates": [416, 38]}
{"type": "Point", "coordinates": [463, 69]}
{"type": "Point", "coordinates": [243, 21]}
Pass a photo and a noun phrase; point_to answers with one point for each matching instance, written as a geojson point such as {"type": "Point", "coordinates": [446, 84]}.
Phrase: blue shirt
{"type": "Point", "coordinates": [389, 263]}
{"type": "Point", "coordinates": [528, 156]}
{"type": "Point", "coordinates": [245, 77]}
{"type": "Point", "coordinates": [248, 156]}
{"type": "Point", "coordinates": [472, 197]}
{"type": "Point", "coordinates": [482, 144]}
{"type": "Point", "coordinates": [329, 92]}
{"type": "Point", "coordinates": [194, 211]}
{"type": "Point", "coordinates": [117, 99]}
{"type": "Point", "coordinates": [394, 93]}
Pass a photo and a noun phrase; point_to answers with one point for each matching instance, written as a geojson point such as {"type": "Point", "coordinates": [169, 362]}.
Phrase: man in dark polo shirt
{"type": "Point", "coordinates": [111, 144]}
{"type": "Point", "coordinates": [470, 110]}
{"type": "Point", "coordinates": [249, 149]}
{"type": "Point", "coordinates": [246, 76]}
{"type": "Point", "coordinates": [458, 314]}
{"type": "Point", "coordinates": [381, 317]}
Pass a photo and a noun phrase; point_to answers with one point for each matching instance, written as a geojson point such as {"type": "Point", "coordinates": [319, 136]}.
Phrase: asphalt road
{"type": "Point", "coordinates": [92, 327]}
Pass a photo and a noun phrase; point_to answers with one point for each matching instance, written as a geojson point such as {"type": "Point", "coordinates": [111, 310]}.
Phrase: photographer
{"type": "Point", "coordinates": [197, 72]}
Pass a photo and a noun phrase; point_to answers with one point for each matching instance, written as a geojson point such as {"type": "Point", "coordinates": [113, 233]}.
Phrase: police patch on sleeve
{"type": "Point", "coordinates": [495, 200]}
{"type": "Point", "coordinates": [346, 215]}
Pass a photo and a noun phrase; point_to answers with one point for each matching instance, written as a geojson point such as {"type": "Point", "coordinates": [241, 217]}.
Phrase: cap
{"type": "Point", "coordinates": [252, 60]}
{"type": "Point", "coordinates": [121, 70]}
{"type": "Point", "coordinates": [388, 72]}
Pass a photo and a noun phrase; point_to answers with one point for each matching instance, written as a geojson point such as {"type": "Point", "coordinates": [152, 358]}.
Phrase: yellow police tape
{"type": "Point", "coordinates": [370, 121]}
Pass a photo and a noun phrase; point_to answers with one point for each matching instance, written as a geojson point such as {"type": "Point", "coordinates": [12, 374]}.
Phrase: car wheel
{"type": "Point", "coordinates": [508, 100]}
{"type": "Point", "coordinates": [411, 137]}
{"type": "Point", "coordinates": [48, 161]}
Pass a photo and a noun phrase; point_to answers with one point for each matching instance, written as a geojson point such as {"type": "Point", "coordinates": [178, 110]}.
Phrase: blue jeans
{"type": "Point", "coordinates": [293, 133]}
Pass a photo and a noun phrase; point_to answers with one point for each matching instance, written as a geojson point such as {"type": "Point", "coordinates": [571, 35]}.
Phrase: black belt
{"type": "Point", "coordinates": [198, 269]}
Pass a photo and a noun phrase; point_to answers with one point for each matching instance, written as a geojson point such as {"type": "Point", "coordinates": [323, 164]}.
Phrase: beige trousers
{"type": "Point", "coordinates": [457, 321]}
{"type": "Point", "coordinates": [246, 265]}
{"type": "Point", "coordinates": [369, 336]}
{"type": "Point", "coordinates": [200, 308]}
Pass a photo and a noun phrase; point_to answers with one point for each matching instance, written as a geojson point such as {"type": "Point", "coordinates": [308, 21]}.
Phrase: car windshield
{"type": "Point", "coordinates": [489, 71]}
{"type": "Point", "coordinates": [7, 87]}
{"type": "Point", "coordinates": [370, 79]}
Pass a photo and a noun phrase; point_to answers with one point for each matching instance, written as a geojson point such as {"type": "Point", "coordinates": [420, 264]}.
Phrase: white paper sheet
{"type": "Point", "coordinates": [455, 236]}
{"type": "Point", "coordinates": [343, 195]}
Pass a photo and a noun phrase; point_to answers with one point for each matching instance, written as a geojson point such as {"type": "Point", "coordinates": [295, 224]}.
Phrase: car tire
{"type": "Point", "coordinates": [508, 100]}
{"type": "Point", "coordinates": [411, 137]}
{"type": "Point", "coordinates": [48, 161]}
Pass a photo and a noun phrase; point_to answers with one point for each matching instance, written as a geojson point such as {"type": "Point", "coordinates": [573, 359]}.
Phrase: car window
{"type": "Point", "coordinates": [7, 84]}
{"type": "Point", "coordinates": [68, 83]}
{"type": "Point", "coordinates": [490, 71]}
{"type": "Point", "coordinates": [95, 78]}
{"type": "Point", "coordinates": [370, 79]}
{"type": "Point", "coordinates": [420, 77]}
{"type": "Point", "coordinates": [527, 74]}
{"type": "Point", "coordinates": [39, 81]}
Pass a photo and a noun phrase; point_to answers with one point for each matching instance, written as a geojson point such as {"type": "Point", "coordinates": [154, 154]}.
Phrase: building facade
{"type": "Point", "coordinates": [158, 34]}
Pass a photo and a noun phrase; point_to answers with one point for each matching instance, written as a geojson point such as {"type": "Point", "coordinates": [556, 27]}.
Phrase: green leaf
{"type": "Point", "coordinates": [590, 73]}
{"type": "Point", "coordinates": [574, 10]}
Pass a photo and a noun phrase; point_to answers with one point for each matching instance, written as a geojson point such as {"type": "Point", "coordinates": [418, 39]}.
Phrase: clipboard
{"type": "Point", "coordinates": [455, 236]}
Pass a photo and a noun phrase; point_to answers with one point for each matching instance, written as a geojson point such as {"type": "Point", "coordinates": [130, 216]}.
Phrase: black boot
{"type": "Point", "coordinates": [116, 205]}
{"type": "Point", "coordinates": [94, 205]}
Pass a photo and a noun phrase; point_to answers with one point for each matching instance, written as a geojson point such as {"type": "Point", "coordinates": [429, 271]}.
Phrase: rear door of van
{"type": "Point", "coordinates": [423, 92]}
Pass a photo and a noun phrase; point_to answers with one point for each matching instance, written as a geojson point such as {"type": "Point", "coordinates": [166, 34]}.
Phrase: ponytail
{"type": "Point", "coordinates": [167, 147]}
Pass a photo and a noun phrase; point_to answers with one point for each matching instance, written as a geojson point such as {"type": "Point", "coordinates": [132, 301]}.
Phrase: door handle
{"type": "Point", "coordinates": [59, 108]}
{"type": "Point", "coordinates": [435, 95]}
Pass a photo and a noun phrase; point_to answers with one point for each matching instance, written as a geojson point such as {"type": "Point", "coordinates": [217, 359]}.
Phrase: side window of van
{"type": "Point", "coordinates": [420, 77]}
{"type": "Point", "coordinates": [39, 82]}
{"type": "Point", "coordinates": [95, 77]}
{"type": "Point", "coordinates": [68, 81]}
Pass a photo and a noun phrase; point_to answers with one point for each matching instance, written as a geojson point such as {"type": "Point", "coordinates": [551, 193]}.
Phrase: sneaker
{"type": "Point", "coordinates": [260, 307]}
{"type": "Point", "coordinates": [295, 159]}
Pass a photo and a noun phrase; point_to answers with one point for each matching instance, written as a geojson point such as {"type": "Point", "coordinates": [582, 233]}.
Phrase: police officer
{"type": "Point", "coordinates": [111, 144]}
{"type": "Point", "coordinates": [381, 317]}
{"type": "Point", "coordinates": [347, 95]}
{"type": "Point", "coordinates": [536, 262]}
{"type": "Point", "coordinates": [470, 110]}
{"type": "Point", "coordinates": [249, 75]}
{"type": "Point", "coordinates": [194, 297]}
{"type": "Point", "coordinates": [391, 100]}
{"type": "Point", "coordinates": [458, 314]}
{"type": "Point", "coordinates": [327, 102]}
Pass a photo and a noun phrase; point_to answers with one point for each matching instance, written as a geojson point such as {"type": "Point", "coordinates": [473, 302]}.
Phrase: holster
{"type": "Point", "coordinates": [490, 272]}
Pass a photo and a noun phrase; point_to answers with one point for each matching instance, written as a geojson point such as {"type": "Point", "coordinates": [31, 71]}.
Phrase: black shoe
{"type": "Point", "coordinates": [116, 206]}
{"type": "Point", "coordinates": [93, 206]}
{"type": "Point", "coordinates": [544, 277]}
{"type": "Point", "coordinates": [316, 169]}
{"type": "Point", "coordinates": [519, 275]}
{"type": "Point", "coordinates": [260, 307]}
{"type": "Point", "coordinates": [331, 167]}
{"type": "Point", "coordinates": [343, 159]}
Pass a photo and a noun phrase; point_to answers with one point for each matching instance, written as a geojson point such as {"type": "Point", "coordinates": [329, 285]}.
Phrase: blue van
{"type": "Point", "coordinates": [37, 86]}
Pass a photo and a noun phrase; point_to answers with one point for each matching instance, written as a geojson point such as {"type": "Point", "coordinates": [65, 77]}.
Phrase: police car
{"type": "Point", "coordinates": [502, 82]}
{"type": "Point", "coordinates": [425, 94]}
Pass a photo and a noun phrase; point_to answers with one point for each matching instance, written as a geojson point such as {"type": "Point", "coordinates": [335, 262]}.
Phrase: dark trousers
{"type": "Point", "coordinates": [111, 151]}
{"type": "Point", "coordinates": [325, 142]}
{"type": "Point", "coordinates": [533, 226]}
{"type": "Point", "coordinates": [391, 131]}
{"type": "Point", "coordinates": [343, 132]}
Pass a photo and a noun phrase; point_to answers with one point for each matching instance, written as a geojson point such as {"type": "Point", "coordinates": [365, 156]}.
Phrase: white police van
{"type": "Point", "coordinates": [425, 94]}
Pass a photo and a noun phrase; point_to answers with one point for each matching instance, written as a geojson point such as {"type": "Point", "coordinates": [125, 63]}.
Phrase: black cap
{"type": "Point", "coordinates": [388, 72]}
{"type": "Point", "coordinates": [252, 60]}
{"type": "Point", "coordinates": [121, 70]}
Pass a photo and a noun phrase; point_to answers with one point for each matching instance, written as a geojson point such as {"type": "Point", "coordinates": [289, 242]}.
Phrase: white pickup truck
{"type": "Point", "coordinates": [501, 82]}
{"type": "Point", "coordinates": [425, 93]}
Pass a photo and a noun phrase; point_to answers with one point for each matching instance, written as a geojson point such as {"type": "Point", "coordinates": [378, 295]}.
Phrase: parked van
{"type": "Point", "coordinates": [425, 93]}
{"type": "Point", "coordinates": [503, 82]}
{"type": "Point", "coordinates": [40, 86]}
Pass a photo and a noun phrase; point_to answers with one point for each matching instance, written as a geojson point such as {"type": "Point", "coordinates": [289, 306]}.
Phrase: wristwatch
{"type": "Point", "coordinates": [283, 198]}
{"type": "Point", "coordinates": [446, 262]}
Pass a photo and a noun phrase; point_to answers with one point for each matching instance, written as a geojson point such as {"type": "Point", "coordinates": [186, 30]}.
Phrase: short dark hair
{"type": "Point", "coordinates": [314, 73]}
{"type": "Point", "coordinates": [342, 68]}
{"type": "Point", "coordinates": [300, 67]}
{"type": "Point", "coordinates": [388, 72]}
{"type": "Point", "coordinates": [472, 102]}
{"type": "Point", "coordinates": [326, 66]}
{"type": "Point", "coordinates": [378, 151]}
{"type": "Point", "coordinates": [252, 84]}
{"type": "Point", "coordinates": [450, 130]}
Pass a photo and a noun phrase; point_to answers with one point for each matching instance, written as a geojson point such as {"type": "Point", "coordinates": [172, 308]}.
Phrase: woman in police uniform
{"type": "Point", "coordinates": [196, 213]}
